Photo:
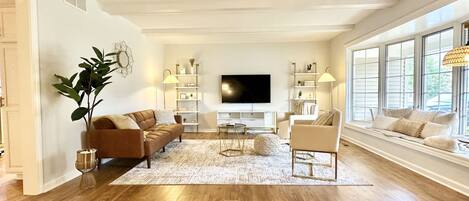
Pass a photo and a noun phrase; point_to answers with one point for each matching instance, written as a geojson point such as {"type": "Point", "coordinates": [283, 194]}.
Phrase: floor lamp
{"type": "Point", "coordinates": [327, 77]}
{"type": "Point", "coordinates": [170, 79]}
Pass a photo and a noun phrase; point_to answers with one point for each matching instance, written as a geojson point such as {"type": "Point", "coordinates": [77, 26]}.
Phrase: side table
{"type": "Point", "coordinates": [231, 145]}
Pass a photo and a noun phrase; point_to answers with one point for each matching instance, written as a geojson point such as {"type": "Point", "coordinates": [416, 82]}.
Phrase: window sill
{"type": "Point", "coordinates": [457, 158]}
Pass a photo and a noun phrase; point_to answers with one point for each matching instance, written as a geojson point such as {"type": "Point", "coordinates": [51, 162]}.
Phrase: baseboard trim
{"type": "Point", "coordinates": [456, 186]}
{"type": "Point", "coordinates": [60, 180]}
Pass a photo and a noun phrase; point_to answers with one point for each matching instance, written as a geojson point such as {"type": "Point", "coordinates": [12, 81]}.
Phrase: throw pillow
{"type": "Point", "coordinates": [164, 117]}
{"type": "Point", "coordinates": [384, 122]}
{"type": "Point", "coordinates": [123, 122]}
{"type": "Point", "coordinates": [450, 119]}
{"type": "Point", "coordinates": [442, 142]}
{"type": "Point", "coordinates": [408, 127]}
{"type": "Point", "coordinates": [432, 129]}
{"type": "Point", "coordinates": [397, 113]}
{"type": "Point", "coordinates": [324, 119]}
{"type": "Point", "coordinates": [419, 115]}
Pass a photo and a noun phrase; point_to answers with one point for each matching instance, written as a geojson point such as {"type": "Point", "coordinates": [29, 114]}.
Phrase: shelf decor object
{"type": "Point", "coordinates": [458, 57]}
{"type": "Point", "coordinates": [124, 58]}
{"type": "Point", "coordinates": [187, 90]}
{"type": "Point", "coordinates": [170, 79]}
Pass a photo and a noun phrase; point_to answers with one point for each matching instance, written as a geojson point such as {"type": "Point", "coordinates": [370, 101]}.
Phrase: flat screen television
{"type": "Point", "coordinates": [245, 88]}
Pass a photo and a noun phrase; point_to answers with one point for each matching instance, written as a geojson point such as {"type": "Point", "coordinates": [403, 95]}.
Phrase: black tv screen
{"type": "Point", "coordinates": [245, 88]}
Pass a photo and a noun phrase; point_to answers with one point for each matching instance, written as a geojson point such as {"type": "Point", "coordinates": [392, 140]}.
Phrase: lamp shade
{"type": "Point", "coordinates": [170, 79]}
{"type": "Point", "coordinates": [457, 57]}
{"type": "Point", "coordinates": [326, 77]}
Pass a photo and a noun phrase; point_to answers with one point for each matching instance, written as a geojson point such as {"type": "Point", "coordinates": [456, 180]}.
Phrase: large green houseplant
{"type": "Point", "coordinates": [84, 87]}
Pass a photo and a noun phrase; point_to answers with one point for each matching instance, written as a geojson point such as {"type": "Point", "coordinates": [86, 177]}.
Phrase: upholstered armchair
{"type": "Point", "coordinates": [308, 138]}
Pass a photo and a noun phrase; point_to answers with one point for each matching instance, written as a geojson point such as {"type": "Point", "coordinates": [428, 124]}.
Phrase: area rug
{"type": "Point", "coordinates": [198, 162]}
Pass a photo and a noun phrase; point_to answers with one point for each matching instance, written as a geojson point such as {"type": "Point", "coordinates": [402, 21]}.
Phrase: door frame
{"type": "Point", "coordinates": [30, 107]}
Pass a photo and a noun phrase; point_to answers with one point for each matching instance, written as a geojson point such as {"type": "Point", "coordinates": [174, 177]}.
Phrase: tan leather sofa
{"type": "Point", "coordinates": [111, 142]}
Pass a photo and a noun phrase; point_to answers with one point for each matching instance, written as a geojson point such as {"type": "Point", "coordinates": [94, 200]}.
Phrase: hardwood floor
{"type": "Point", "coordinates": [390, 182]}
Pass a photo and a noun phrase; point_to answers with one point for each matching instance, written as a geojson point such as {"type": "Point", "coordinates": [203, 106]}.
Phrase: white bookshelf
{"type": "Point", "coordinates": [304, 82]}
{"type": "Point", "coordinates": [187, 105]}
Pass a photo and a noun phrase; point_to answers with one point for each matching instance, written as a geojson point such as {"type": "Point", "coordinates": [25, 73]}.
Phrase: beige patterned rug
{"type": "Point", "coordinates": [198, 162]}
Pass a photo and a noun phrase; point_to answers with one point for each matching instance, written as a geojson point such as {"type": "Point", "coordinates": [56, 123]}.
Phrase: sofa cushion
{"type": "Point", "coordinates": [123, 122]}
{"type": "Point", "coordinates": [384, 122]}
{"type": "Point", "coordinates": [164, 117]}
{"type": "Point", "coordinates": [433, 129]}
{"type": "Point", "coordinates": [408, 127]}
{"type": "Point", "coordinates": [155, 140]}
{"type": "Point", "coordinates": [397, 113]}
{"type": "Point", "coordinates": [145, 119]}
{"type": "Point", "coordinates": [174, 129]}
{"type": "Point", "coordinates": [446, 143]}
{"type": "Point", "coordinates": [103, 123]}
{"type": "Point", "coordinates": [420, 115]}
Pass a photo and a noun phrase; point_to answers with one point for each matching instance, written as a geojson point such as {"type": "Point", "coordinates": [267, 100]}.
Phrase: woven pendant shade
{"type": "Point", "coordinates": [457, 57]}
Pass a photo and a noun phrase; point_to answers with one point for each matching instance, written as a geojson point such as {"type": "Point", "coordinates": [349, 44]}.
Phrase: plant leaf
{"type": "Point", "coordinates": [73, 94]}
{"type": "Point", "coordinates": [73, 77]}
{"type": "Point", "coordinates": [98, 53]}
{"type": "Point", "coordinates": [84, 65]}
{"type": "Point", "coordinates": [100, 100]}
{"type": "Point", "coordinates": [61, 88]}
{"type": "Point", "coordinates": [64, 80]}
{"type": "Point", "coordinates": [111, 54]}
{"type": "Point", "coordinates": [79, 113]}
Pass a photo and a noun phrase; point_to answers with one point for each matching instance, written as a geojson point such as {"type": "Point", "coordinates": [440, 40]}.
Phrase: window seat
{"type": "Point", "coordinates": [447, 168]}
{"type": "Point", "coordinates": [461, 158]}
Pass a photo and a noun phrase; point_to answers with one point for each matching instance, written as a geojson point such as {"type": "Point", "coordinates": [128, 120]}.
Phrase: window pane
{"type": "Point", "coordinates": [399, 75]}
{"type": "Point", "coordinates": [359, 57]}
{"type": "Point", "coordinates": [408, 49]}
{"type": "Point", "coordinates": [393, 68]}
{"type": "Point", "coordinates": [359, 71]}
{"type": "Point", "coordinates": [446, 40]}
{"type": "Point", "coordinates": [432, 83]}
{"type": "Point", "coordinates": [372, 85]}
{"type": "Point", "coordinates": [432, 44]}
{"type": "Point", "coordinates": [372, 70]}
{"type": "Point", "coordinates": [394, 52]}
{"type": "Point", "coordinates": [432, 63]}
{"type": "Point", "coordinates": [365, 83]}
{"type": "Point", "coordinates": [393, 85]}
{"type": "Point", "coordinates": [437, 79]}
{"type": "Point", "coordinates": [408, 66]}
{"type": "Point", "coordinates": [445, 82]}
{"type": "Point", "coordinates": [372, 55]}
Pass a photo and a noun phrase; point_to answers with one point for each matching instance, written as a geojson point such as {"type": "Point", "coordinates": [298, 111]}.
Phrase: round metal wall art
{"type": "Point", "coordinates": [124, 58]}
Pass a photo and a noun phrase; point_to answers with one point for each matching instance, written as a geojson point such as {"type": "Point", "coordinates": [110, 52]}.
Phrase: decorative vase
{"type": "Point", "coordinates": [85, 163]}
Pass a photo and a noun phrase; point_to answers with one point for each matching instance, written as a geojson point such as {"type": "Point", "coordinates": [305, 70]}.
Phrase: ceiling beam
{"type": "Point", "coordinates": [155, 7]}
{"type": "Point", "coordinates": [222, 30]}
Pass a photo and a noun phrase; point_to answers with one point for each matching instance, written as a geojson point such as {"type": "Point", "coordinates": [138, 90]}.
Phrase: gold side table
{"type": "Point", "coordinates": [231, 144]}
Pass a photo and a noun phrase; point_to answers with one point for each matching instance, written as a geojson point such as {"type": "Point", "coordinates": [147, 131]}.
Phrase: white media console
{"type": "Point", "coordinates": [252, 119]}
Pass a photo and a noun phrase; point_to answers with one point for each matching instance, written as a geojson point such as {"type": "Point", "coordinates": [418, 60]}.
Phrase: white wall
{"type": "Point", "coordinates": [249, 58]}
{"type": "Point", "coordinates": [66, 34]}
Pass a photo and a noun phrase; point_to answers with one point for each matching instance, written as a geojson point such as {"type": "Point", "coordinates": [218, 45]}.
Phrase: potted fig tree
{"type": "Point", "coordinates": [83, 88]}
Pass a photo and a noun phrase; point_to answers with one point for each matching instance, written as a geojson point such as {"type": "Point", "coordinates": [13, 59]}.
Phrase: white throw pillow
{"type": "Point", "coordinates": [123, 122]}
{"type": "Point", "coordinates": [450, 119]}
{"type": "Point", "coordinates": [164, 117]}
{"type": "Point", "coordinates": [384, 122]}
{"type": "Point", "coordinates": [424, 116]}
{"type": "Point", "coordinates": [432, 129]}
{"type": "Point", "coordinates": [442, 142]}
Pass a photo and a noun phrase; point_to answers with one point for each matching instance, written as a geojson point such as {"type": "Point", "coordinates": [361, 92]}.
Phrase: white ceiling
{"type": "Point", "coordinates": [235, 21]}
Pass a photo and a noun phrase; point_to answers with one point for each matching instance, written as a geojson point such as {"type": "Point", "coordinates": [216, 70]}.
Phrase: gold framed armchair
{"type": "Point", "coordinates": [308, 138]}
